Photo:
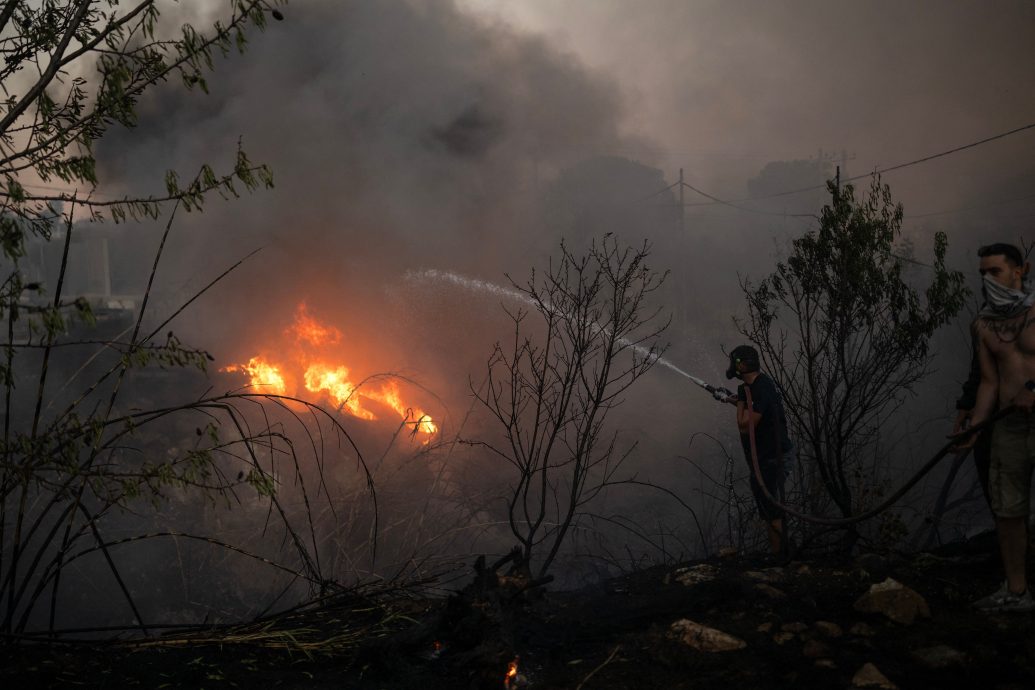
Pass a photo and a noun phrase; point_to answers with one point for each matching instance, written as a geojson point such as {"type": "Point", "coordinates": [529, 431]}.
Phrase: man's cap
{"type": "Point", "coordinates": [741, 353]}
{"type": "Point", "coordinates": [745, 353]}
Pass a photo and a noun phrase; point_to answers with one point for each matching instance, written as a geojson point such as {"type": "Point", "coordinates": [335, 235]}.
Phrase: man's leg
{"type": "Point", "coordinates": [773, 473]}
{"type": "Point", "coordinates": [1013, 543]}
{"type": "Point", "coordinates": [1009, 483]}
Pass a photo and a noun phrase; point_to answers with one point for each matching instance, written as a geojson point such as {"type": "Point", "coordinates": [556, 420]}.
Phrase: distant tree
{"type": "Point", "coordinates": [779, 177]}
{"type": "Point", "coordinates": [846, 335]}
{"type": "Point", "coordinates": [610, 194]}
{"type": "Point", "coordinates": [551, 388]}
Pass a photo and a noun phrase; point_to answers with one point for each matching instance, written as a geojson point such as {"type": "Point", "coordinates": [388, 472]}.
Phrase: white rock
{"type": "Point", "coordinates": [696, 574]}
{"type": "Point", "coordinates": [940, 656]}
{"type": "Point", "coordinates": [703, 638]}
{"type": "Point", "coordinates": [870, 677]}
{"type": "Point", "coordinates": [770, 591]}
{"type": "Point", "coordinates": [896, 601]}
{"type": "Point", "coordinates": [828, 629]}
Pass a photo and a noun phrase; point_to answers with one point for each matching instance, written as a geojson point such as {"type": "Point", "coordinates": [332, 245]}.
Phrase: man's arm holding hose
{"type": "Point", "coordinates": [746, 417]}
{"type": "Point", "coordinates": [987, 392]}
{"type": "Point", "coordinates": [968, 396]}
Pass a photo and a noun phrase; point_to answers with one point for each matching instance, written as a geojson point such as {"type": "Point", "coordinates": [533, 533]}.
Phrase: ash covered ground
{"type": "Point", "coordinates": [799, 624]}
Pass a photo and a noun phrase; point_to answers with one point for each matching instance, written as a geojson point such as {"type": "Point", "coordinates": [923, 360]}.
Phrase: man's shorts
{"type": "Point", "coordinates": [774, 473]}
{"type": "Point", "coordinates": [1009, 474]}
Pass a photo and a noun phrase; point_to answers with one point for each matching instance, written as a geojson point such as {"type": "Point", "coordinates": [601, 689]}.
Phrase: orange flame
{"type": "Point", "coordinates": [313, 356]}
{"type": "Point", "coordinates": [264, 376]}
{"type": "Point", "coordinates": [308, 329]}
{"type": "Point", "coordinates": [511, 673]}
{"type": "Point", "coordinates": [389, 395]}
{"type": "Point", "coordinates": [334, 381]}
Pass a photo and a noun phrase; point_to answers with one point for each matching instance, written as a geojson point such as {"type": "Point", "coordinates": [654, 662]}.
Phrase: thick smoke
{"type": "Point", "coordinates": [410, 135]}
{"type": "Point", "coordinates": [401, 134]}
{"type": "Point", "coordinates": [404, 137]}
{"type": "Point", "coordinates": [725, 87]}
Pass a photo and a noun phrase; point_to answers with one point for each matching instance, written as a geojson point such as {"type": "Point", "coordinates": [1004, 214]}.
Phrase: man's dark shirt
{"type": "Point", "coordinates": [771, 437]}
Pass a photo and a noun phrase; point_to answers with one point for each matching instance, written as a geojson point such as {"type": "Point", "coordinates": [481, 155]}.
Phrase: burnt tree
{"type": "Point", "coordinates": [587, 335]}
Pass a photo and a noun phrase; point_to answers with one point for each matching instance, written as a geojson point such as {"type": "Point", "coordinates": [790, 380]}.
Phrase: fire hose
{"type": "Point", "coordinates": [719, 393]}
{"type": "Point", "coordinates": [888, 502]}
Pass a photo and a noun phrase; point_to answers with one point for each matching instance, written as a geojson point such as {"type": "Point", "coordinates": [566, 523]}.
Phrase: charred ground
{"type": "Point", "coordinates": [798, 623]}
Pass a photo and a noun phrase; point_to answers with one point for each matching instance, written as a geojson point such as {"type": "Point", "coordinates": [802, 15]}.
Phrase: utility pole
{"type": "Point", "coordinates": [682, 208]}
{"type": "Point", "coordinates": [822, 158]}
{"type": "Point", "coordinates": [684, 291]}
{"type": "Point", "coordinates": [535, 171]}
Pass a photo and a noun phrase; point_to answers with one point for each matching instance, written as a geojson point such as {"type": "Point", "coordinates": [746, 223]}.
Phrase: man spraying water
{"type": "Point", "coordinates": [762, 423]}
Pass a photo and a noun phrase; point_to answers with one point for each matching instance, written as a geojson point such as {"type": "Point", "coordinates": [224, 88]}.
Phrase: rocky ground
{"type": "Point", "coordinates": [875, 621]}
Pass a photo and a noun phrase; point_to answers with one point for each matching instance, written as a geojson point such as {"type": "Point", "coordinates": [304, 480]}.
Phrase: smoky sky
{"type": "Point", "coordinates": [723, 87]}
{"type": "Point", "coordinates": [406, 135]}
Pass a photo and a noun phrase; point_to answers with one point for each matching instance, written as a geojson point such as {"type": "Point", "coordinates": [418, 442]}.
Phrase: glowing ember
{"type": "Point", "coordinates": [511, 677]}
{"type": "Point", "coordinates": [436, 650]}
{"type": "Point", "coordinates": [313, 355]}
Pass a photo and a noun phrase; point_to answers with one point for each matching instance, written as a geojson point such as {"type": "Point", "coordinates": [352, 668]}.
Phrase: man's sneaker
{"type": "Point", "coordinates": [1005, 601]}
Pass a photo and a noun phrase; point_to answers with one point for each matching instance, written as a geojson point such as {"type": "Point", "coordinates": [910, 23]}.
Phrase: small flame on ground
{"type": "Point", "coordinates": [312, 341]}
{"type": "Point", "coordinates": [512, 671]}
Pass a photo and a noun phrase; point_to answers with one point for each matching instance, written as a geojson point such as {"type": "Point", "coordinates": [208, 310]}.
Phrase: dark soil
{"type": "Point", "coordinates": [616, 635]}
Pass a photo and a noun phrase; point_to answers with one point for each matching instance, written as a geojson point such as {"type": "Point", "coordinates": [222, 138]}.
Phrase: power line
{"type": "Point", "coordinates": [654, 194]}
{"type": "Point", "coordinates": [744, 208]}
{"type": "Point", "coordinates": [899, 166]}
{"type": "Point", "coordinates": [1001, 202]}
{"type": "Point", "coordinates": [950, 151]}
{"type": "Point", "coordinates": [734, 202]}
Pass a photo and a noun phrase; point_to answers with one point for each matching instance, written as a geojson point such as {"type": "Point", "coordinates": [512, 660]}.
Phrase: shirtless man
{"type": "Point", "coordinates": [1006, 353]}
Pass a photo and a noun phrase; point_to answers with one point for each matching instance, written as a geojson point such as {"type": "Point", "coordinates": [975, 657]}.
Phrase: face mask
{"type": "Point", "coordinates": [1002, 302]}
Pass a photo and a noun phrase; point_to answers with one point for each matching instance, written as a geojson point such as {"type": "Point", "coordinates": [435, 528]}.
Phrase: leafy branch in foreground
{"type": "Point", "coordinates": [845, 332]}
{"type": "Point", "coordinates": [71, 70]}
{"type": "Point", "coordinates": [69, 482]}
